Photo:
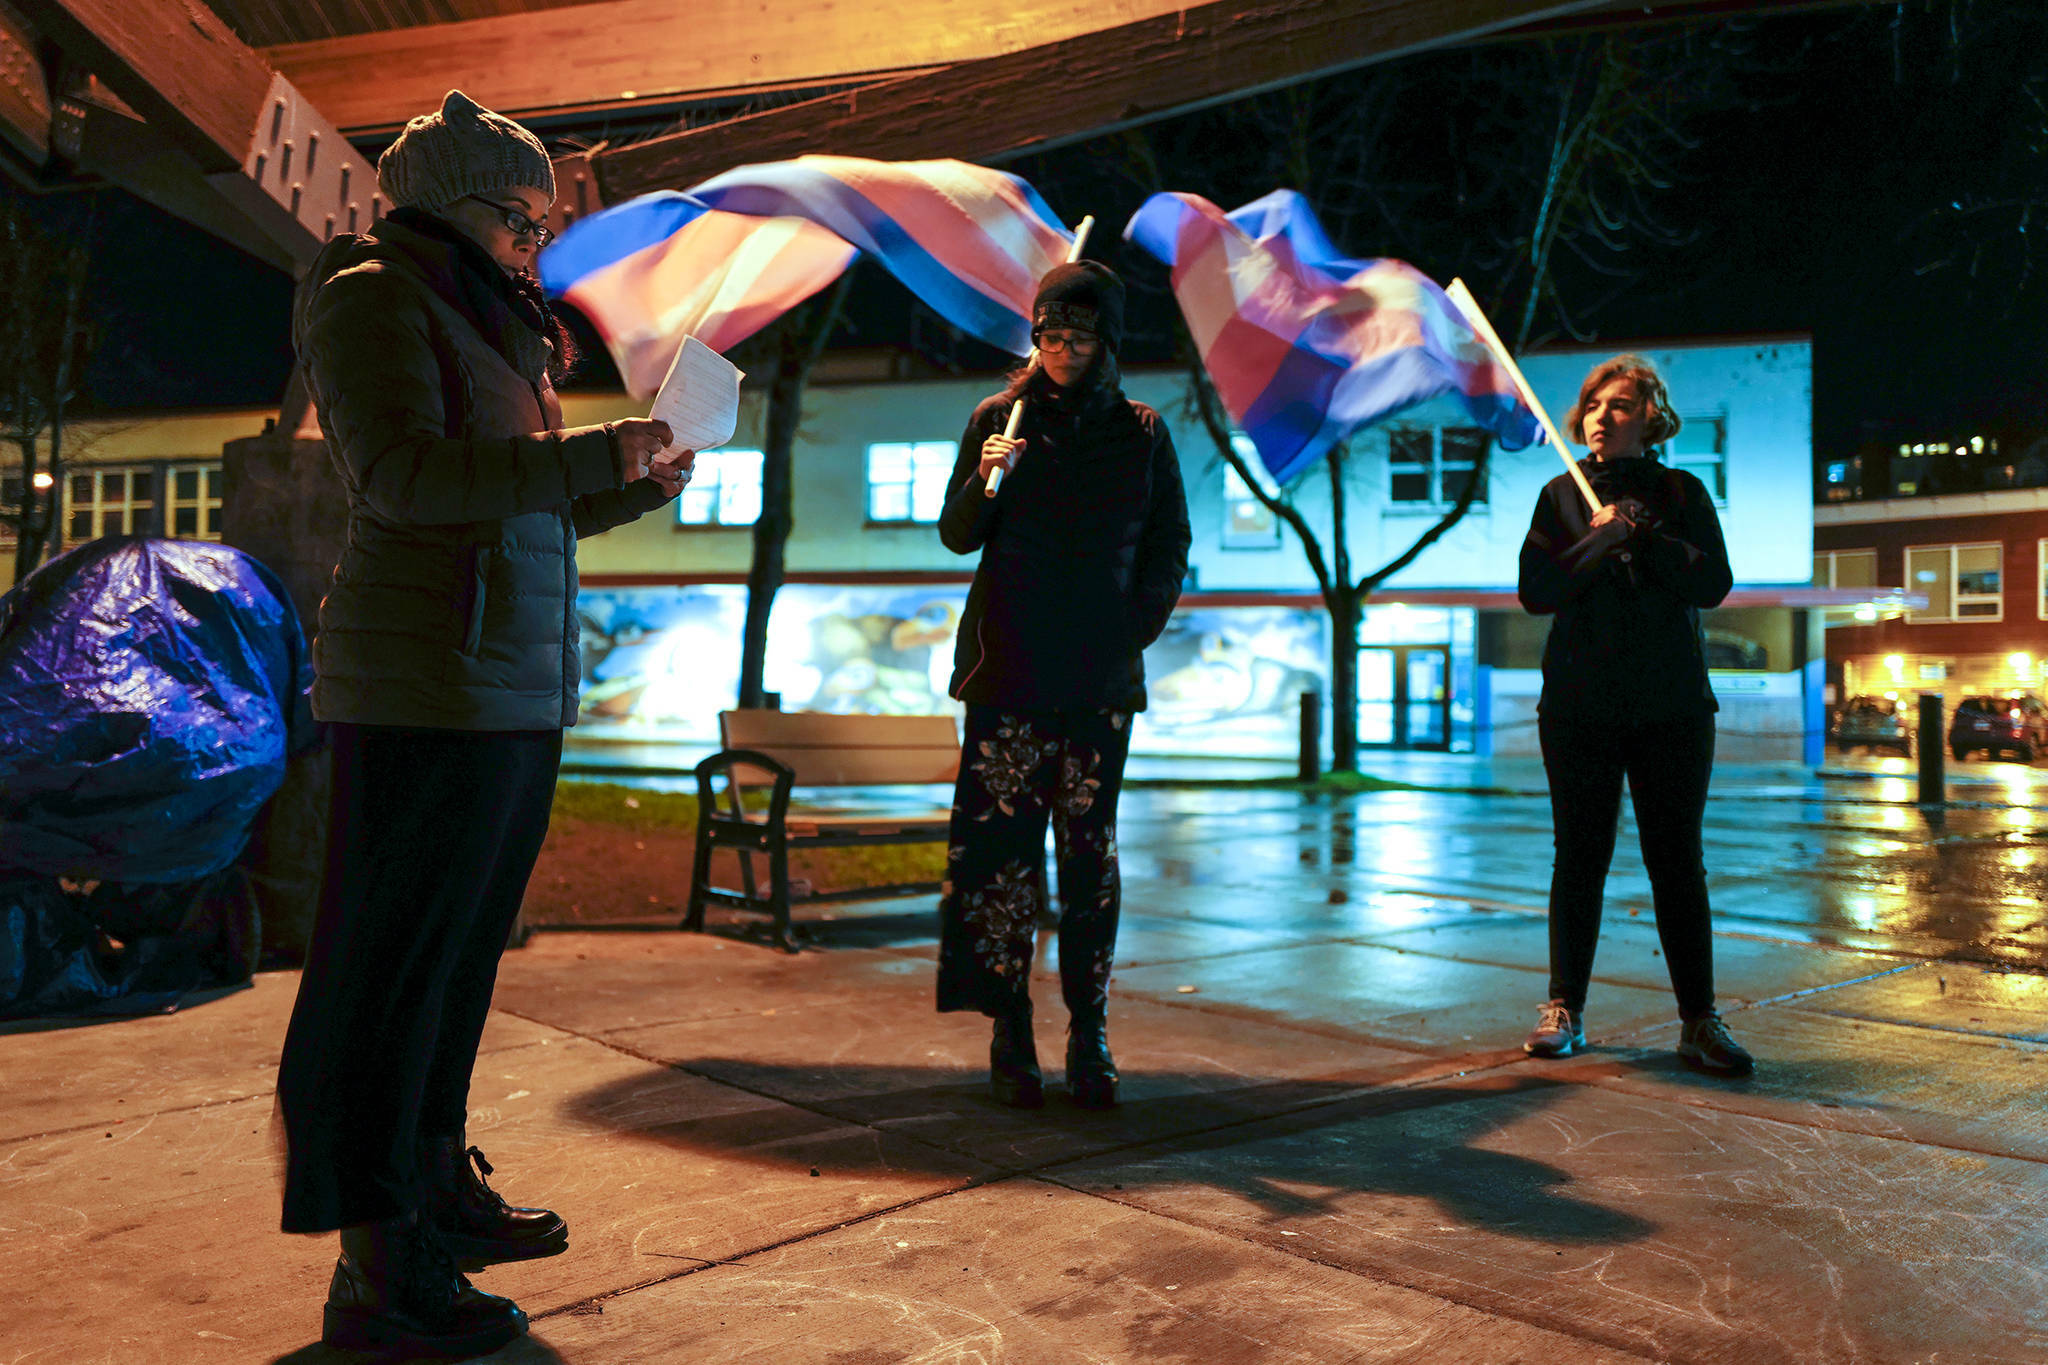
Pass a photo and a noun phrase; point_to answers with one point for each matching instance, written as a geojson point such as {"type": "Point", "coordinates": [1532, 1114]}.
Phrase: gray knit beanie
{"type": "Point", "coordinates": [465, 149]}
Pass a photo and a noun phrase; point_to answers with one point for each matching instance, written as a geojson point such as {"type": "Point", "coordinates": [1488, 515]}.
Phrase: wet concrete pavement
{"type": "Point", "coordinates": [1331, 1147]}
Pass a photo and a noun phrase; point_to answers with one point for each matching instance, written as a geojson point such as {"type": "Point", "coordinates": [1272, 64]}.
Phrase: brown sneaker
{"type": "Point", "coordinates": [1560, 1031]}
{"type": "Point", "coordinates": [1705, 1045]}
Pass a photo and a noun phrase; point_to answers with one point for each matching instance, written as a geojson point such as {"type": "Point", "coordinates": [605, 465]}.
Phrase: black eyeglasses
{"type": "Point", "coordinates": [516, 222]}
{"type": "Point", "coordinates": [1052, 343]}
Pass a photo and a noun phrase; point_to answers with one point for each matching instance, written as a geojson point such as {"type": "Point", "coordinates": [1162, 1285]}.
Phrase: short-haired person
{"type": "Point", "coordinates": [446, 668]}
{"type": "Point", "coordinates": [1083, 549]}
{"type": "Point", "coordinates": [1626, 696]}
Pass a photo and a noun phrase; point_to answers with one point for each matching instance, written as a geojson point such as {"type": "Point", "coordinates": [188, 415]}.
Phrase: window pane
{"type": "Point", "coordinates": [81, 524]}
{"type": "Point", "coordinates": [141, 486]}
{"type": "Point", "coordinates": [1700, 436]}
{"type": "Point", "coordinates": [1463, 445]}
{"type": "Point", "coordinates": [693, 508]}
{"type": "Point", "coordinates": [1856, 568]}
{"type": "Point", "coordinates": [185, 484]}
{"type": "Point", "coordinates": [1927, 571]}
{"type": "Point", "coordinates": [1820, 570]}
{"type": "Point", "coordinates": [889, 502]}
{"type": "Point", "coordinates": [1410, 486]}
{"type": "Point", "coordinates": [213, 476]}
{"type": "Point", "coordinates": [185, 521]}
{"type": "Point", "coordinates": [928, 494]}
{"type": "Point", "coordinates": [888, 463]}
{"type": "Point", "coordinates": [81, 488]}
{"type": "Point", "coordinates": [1410, 445]}
{"type": "Point", "coordinates": [739, 504]}
{"type": "Point", "coordinates": [1455, 480]}
{"type": "Point", "coordinates": [10, 489]}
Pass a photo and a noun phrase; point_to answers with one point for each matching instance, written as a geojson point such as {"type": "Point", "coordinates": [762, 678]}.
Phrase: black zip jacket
{"type": "Point", "coordinates": [1083, 550]}
{"type": "Point", "coordinates": [1626, 644]}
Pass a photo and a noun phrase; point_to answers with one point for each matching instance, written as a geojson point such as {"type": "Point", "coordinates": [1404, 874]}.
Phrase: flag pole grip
{"type": "Point", "coordinates": [995, 476]}
{"type": "Point", "coordinates": [1469, 306]}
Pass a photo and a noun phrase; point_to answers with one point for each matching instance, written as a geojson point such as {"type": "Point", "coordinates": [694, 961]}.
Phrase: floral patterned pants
{"type": "Point", "coordinates": [1017, 771]}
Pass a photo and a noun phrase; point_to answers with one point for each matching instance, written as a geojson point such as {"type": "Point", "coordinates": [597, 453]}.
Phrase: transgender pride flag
{"type": "Point", "coordinates": [742, 248]}
{"type": "Point", "coordinates": [1306, 346]}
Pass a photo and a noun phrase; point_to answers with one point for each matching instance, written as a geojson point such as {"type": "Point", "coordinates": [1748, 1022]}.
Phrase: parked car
{"type": "Point", "coordinates": [2016, 724]}
{"type": "Point", "coordinates": [1873, 723]}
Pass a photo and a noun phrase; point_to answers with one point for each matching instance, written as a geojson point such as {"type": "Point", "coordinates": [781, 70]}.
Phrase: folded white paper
{"type": "Point", "coordinates": [700, 399]}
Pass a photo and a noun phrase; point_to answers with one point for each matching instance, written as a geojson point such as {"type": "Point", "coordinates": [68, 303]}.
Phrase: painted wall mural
{"type": "Point", "coordinates": [659, 663]}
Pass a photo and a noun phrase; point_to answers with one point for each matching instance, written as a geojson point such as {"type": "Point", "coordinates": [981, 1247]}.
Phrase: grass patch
{"type": "Point", "coordinates": [675, 813]}
{"type": "Point", "coordinates": [608, 803]}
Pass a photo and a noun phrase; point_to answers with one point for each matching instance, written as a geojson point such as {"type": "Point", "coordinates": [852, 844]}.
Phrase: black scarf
{"type": "Point", "coordinates": [488, 292]}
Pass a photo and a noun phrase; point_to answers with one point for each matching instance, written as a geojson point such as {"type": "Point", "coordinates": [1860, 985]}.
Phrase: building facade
{"type": "Point", "coordinates": [1447, 659]}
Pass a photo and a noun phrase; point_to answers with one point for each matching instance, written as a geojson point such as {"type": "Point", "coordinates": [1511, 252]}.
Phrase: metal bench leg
{"type": "Point", "coordinates": [778, 893]}
{"type": "Point", "coordinates": [700, 882]}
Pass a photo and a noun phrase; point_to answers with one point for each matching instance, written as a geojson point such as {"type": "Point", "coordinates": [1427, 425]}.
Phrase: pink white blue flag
{"type": "Point", "coordinates": [1305, 345]}
{"type": "Point", "coordinates": [969, 241]}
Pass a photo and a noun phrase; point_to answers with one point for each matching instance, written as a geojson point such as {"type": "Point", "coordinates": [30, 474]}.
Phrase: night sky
{"type": "Point", "coordinates": [1874, 176]}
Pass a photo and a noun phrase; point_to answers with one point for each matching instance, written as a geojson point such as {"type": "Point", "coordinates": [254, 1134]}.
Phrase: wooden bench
{"type": "Point", "coordinates": [772, 753]}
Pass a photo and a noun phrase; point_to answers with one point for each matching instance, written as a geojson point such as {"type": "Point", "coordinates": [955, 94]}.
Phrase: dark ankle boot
{"type": "Point", "coordinates": [396, 1292]}
{"type": "Point", "coordinates": [1091, 1071]}
{"type": "Point", "coordinates": [477, 1226]}
{"type": "Point", "coordinates": [1013, 1076]}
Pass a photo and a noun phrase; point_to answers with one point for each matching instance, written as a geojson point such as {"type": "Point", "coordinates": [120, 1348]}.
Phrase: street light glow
{"type": "Point", "coordinates": [43, 479]}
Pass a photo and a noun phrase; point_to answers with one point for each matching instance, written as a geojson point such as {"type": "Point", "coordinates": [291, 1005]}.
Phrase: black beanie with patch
{"type": "Point", "coordinates": [1085, 295]}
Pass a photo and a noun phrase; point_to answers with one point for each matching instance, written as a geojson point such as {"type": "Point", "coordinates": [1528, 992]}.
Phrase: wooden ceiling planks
{"type": "Point", "coordinates": [266, 23]}
{"type": "Point", "coordinates": [1117, 77]}
{"type": "Point", "coordinates": [623, 53]}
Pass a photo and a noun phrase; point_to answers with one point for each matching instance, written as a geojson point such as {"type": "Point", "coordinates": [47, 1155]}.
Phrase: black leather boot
{"type": "Point", "coordinates": [477, 1226]}
{"type": "Point", "coordinates": [1013, 1076]}
{"type": "Point", "coordinates": [396, 1292]}
{"type": "Point", "coordinates": [1091, 1071]}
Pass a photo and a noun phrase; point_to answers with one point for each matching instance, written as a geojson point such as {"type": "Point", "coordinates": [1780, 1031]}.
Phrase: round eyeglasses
{"type": "Point", "coordinates": [1080, 343]}
{"type": "Point", "coordinates": [516, 222]}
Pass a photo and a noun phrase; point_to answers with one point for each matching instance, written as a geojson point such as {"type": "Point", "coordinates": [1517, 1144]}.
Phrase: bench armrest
{"type": "Point", "coordinates": [724, 761]}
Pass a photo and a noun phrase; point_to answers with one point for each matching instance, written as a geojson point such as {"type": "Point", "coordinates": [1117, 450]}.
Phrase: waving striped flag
{"type": "Point", "coordinates": [1306, 346]}
{"type": "Point", "coordinates": [742, 248]}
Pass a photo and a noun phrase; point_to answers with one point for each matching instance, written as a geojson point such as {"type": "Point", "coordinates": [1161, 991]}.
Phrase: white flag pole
{"type": "Point", "coordinates": [1469, 306]}
{"type": "Point", "coordinates": [995, 476]}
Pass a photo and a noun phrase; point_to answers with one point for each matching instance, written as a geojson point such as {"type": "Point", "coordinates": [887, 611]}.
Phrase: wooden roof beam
{"type": "Point", "coordinates": [24, 89]}
{"type": "Point", "coordinates": [215, 102]}
{"type": "Point", "coordinates": [626, 53]}
{"type": "Point", "coordinates": [1134, 73]}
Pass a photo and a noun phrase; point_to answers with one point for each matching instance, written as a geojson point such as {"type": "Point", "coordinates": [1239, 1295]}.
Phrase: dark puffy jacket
{"type": "Point", "coordinates": [1626, 644]}
{"type": "Point", "coordinates": [1083, 550]}
{"type": "Point", "coordinates": [454, 604]}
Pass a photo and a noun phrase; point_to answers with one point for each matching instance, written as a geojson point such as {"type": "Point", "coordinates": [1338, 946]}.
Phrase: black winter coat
{"type": "Point", "coordinates": [1626, 645]}
{"type": "Point", "coordinates": [1083, 550]}
{"type": "Point", "coordinates": [454, 604]}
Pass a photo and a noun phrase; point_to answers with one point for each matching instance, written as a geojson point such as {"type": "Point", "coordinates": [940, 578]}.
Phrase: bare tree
{"type": "Point", "coordinates": [791, 345]}
{"type": "Point", "coordinates": [44, 340]}
{"type": "Point", "coordinates": [1561, 153]}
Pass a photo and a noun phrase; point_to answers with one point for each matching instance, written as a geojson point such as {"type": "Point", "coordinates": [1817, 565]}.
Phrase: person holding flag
{"type": "Point", "coordinates": [1626, 695]}
{"type": "Point", "coordinates": [1083, 549]}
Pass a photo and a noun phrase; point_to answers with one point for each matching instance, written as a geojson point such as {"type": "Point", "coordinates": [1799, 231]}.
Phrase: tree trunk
{"type": "Point", "coordinates": [1343, 600]}
{"type": "Point", "coordinates": [800, 341]}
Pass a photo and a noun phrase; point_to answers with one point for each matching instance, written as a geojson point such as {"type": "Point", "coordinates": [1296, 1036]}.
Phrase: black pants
{"type": "Point", "coordinates": [432, 838]}
{"type": "Point", "coordinates": [1016, 772]}
{"type": "Point", "coordinates": [1667, 764]}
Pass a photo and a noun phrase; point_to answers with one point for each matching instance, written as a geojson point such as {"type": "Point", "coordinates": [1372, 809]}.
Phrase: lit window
{"type": "Point", "coordinates": [907, 480]}
{"type": "Point", "coordinates": [1430, 467]}
{"type": "Point", "coordinates": [724, 490]}
{"type": "Point", "coordinates": [1962, 582]}
{"type": "Point", "coordinates": [108, 502]}
{"type": "Point", "coordinates": [1701, 449]}
{"type": "Point", "coordinates": [193, 512]}
{"type": "Point", "coordinates": [1248, 524]}
{"type": "Point", "coordinates": [1845, 569]}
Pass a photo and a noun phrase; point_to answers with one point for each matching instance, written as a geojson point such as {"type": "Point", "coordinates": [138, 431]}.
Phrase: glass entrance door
{"type": "Point", "coordinates": [1404, 696]}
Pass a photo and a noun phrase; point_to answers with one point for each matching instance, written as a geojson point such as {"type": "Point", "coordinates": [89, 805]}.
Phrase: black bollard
{"type": "Point", "coordinates": [1931, 741]}
{"type": "Point", "coordinates": [1311, 736]}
